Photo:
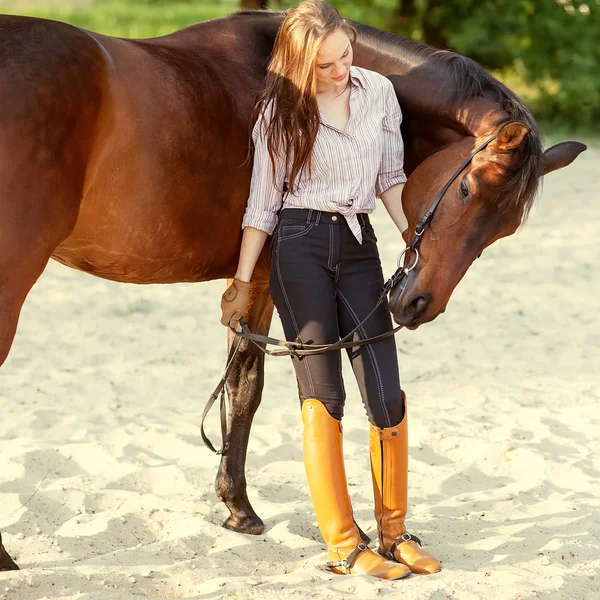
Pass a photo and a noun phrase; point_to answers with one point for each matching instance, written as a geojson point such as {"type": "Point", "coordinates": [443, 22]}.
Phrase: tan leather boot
{"type": "Point", "coordinates": [324, 462]}
{"type": "Point", "coordinates": [389, 468]}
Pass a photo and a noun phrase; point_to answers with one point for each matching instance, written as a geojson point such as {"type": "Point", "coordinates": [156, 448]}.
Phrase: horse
{"type": "Point", "coordinates": [125, 159]}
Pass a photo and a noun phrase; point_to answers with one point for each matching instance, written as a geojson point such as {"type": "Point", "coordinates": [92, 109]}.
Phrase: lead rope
{"type": "Point", "coordinates": [235, 346]}
{"type": "Point", "coordinates": [296, 349]}
{"type": "Point", "coordinates": [300, 349]}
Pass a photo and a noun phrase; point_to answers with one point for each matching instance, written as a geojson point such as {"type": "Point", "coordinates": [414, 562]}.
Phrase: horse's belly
{"type": "Point", "coordinates": [160, 243]}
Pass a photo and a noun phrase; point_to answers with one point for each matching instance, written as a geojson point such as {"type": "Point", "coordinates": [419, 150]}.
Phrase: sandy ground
{"type": "Point", "coordinates": [106, 491]}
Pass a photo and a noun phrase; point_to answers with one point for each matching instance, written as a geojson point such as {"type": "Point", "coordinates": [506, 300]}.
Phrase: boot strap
{"type": "Point", "coordinates": [346, 563]}
{"type": "Point", "coordinates": [405, 537]}
{"type": "Point", "coordinates": [363, 536]}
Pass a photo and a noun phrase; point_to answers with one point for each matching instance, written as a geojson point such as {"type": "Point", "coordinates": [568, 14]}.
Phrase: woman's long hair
{"type": "Point", "coordinates": [289, 94]}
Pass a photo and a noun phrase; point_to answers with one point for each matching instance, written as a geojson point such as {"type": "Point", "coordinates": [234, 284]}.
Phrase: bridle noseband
{"type": "Point", "coordinates": [299, 349]}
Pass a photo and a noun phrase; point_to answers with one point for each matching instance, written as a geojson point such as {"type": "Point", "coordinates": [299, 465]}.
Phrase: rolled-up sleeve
{"type": "Point", "coordinates": [391, 170]}
{"type": "Point", "coordinates": [266, 193]}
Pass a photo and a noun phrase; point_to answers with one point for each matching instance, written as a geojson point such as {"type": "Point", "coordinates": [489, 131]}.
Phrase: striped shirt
{"type": "Point", "coordinates": [350, 168]}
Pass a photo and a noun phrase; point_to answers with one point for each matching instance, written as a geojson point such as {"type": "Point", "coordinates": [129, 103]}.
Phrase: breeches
{"type": "Point", "coordinates": [323, 283]}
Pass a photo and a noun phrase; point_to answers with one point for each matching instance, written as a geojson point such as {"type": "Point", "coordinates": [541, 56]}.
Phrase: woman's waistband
{"type": "Point", "coordinates": [319, 216]}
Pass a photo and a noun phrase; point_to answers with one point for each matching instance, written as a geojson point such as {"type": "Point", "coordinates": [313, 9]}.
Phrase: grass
{"type": "Point", "coordinates": [131, 19]}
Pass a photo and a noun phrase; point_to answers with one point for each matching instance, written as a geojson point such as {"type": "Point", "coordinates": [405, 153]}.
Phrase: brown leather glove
{"type": "Point", "coordinates": [235, 302]}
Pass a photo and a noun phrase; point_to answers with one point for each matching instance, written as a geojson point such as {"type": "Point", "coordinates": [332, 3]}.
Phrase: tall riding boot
{"type": "Point", "coordinates": [324, 462]}
{"type": "Point", "coordinates": [389, 468]}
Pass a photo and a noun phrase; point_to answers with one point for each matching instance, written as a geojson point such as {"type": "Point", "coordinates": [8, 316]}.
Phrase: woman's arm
{"type": "Point", "coordinates": [391, 176]}
{"type": "Point", "coordinates": [264, 201]}
{"type": "Point", "coordinates": [392, 200]}
{"type": "Point", "coordinates": [236, 300]}
{"type": "Point", "coordinates": [260, 218]}
{"type": "Point", "coordinates": [253, 241]}
{"type": "Point", "coordinates": [267, 182]}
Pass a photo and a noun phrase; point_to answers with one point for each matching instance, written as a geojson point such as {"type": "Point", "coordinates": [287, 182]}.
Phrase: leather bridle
{"type": "Point", "coordinates": [300, 349]}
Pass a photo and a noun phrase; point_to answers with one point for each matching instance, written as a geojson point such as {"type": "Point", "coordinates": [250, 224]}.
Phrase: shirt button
{"type": "Point", "coordinates": [334, 218]}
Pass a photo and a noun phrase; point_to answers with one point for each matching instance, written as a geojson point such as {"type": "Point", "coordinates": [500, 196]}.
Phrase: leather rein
{"type": "Point", "coordinates": [300, 349]}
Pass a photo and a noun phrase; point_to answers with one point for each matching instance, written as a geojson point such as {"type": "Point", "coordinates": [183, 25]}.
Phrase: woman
{"type": "Point", "coordinates": [327, 142]}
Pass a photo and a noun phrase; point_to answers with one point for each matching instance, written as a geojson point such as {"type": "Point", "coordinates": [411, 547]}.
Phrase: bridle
{"type": "Point", "coordinates": [402, 272]}
{"type": "Point", "coordinates": [300, 349]}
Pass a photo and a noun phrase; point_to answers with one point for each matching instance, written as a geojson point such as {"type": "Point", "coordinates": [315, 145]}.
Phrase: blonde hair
{"type": "Point", "coordinates": [290, 86]}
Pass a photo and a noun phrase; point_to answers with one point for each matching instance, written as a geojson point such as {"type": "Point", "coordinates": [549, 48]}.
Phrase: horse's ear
{"type": "Point", "coordinates": [561, 155]}
{"type": "Point", "coordinates": [509, 137]}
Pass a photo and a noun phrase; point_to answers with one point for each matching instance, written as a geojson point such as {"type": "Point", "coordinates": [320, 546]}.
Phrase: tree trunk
{"type": "Point", "coordinates": [256, 4]}
{"type": "Point", "coordinates": [409, 17]}
{"type": "Point", "coordinates": [405, 13]}
{"type": "Point", "coordinates": [433, 24]}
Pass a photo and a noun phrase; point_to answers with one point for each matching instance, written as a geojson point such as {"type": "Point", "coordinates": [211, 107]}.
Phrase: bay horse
{"type": "Point", "coordinates": [125, 159]}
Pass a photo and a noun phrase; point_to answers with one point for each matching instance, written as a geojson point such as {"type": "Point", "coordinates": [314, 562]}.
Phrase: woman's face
{"type": "Point", "coordinates": [333, 61]}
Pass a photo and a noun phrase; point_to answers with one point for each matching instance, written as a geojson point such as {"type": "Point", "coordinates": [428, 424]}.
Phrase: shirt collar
{"type": "Point", "coordinates": [357, 77]}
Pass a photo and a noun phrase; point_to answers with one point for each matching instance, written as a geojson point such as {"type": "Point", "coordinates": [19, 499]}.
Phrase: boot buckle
{"type": "Point", "coordinates": [346, 563]}
{"type": "Point", "coordinates": [344, 566]}
{"type": "Point", "coordinates": [405, 537]}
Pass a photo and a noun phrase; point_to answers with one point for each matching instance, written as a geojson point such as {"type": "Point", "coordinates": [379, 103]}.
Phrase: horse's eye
{"type": "Point", "coordinates": [463, 189]}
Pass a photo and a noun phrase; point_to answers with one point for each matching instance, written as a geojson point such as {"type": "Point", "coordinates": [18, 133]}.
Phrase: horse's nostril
{"type": "Point", "coordinates": [419, 305]}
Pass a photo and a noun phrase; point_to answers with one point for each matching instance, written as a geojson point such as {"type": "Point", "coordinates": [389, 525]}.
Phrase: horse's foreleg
{"type": "Point", "coordinates": [32, 224]}
{"type": "Point", "coordinates": [6, 562]}
{"type": "Point", "coordinates": [14, 286]}
{"type": "Point", "coordinates": [16, 279]}
{"type": "Point", "coordinates": [18, 272]}
{"type": "Point", "coordinates": [244, 388]}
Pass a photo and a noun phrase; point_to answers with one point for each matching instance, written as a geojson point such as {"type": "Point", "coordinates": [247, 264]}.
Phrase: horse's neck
{"type": "Point", "coordinates": [432, 119]}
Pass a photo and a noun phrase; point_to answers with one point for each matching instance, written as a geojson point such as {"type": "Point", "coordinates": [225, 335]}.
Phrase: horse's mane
{"type": "Point", "coordinates": [465, 79]}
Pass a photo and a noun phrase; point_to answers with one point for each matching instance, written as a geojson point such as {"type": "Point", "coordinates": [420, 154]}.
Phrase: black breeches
{"type": "Point", "coordinates": [323, 283]}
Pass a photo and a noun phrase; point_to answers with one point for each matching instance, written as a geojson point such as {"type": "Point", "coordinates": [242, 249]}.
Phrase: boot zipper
{"type": "Point", "coordinates": [381, 542]}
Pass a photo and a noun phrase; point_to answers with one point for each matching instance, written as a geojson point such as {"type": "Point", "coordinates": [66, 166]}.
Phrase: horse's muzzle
{"type": "Point", "coordinates": [408, 309]}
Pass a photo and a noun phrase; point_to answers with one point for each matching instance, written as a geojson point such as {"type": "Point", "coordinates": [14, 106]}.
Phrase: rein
{"type": "Point", "coordinates": [299, 349]}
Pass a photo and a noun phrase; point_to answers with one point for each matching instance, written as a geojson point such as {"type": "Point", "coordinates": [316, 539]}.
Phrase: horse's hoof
{"type": "Point", "coordinates": [251, 525]}
{"type": "Point", "coordinates": [6, 562]}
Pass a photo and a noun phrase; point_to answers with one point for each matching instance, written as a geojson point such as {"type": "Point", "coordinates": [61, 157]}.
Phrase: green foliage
{"type": "Point", "coordinates": [553, 45]}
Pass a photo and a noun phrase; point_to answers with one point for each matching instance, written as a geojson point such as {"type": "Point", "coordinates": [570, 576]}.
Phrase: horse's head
{"type": "Point", "coordinates": [488, 200]}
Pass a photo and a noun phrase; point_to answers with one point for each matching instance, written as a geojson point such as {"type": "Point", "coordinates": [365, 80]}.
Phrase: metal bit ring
{"type": "Point", "coordinates": [407, 270]}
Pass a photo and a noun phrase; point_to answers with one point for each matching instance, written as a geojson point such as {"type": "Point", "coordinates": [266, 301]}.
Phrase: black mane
{"type": "Point", "coordinates": [467, 79]}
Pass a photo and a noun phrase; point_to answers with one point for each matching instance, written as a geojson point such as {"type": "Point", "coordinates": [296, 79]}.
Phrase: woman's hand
{"type": "Point", "coordinates": [235, 302]}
